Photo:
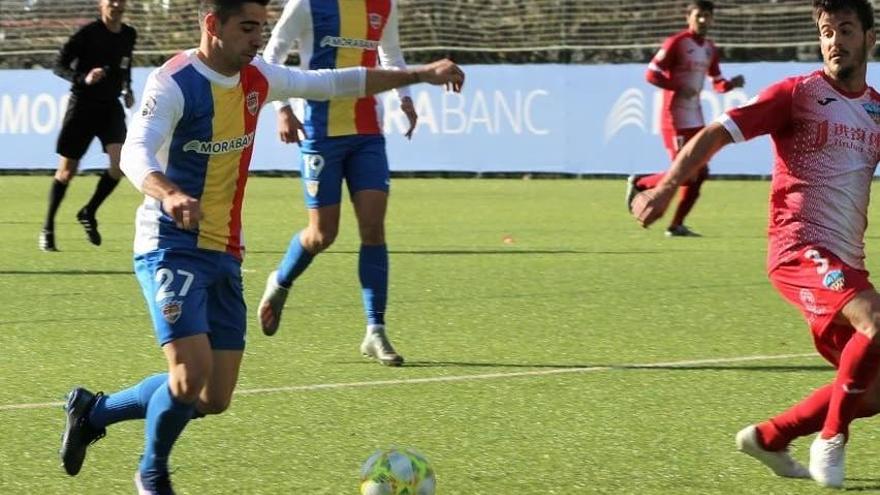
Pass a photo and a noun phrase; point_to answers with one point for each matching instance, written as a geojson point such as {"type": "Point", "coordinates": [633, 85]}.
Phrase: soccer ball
{"type": "Point", "coordinates": [397, 471]}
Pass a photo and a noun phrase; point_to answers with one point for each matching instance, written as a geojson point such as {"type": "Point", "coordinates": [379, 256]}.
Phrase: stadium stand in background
{"type": "Point", "coordinates": [472, 31]}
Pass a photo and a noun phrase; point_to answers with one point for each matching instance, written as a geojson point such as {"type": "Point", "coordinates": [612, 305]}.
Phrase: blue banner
{"type": "Point", "coordinates": [578, 119]}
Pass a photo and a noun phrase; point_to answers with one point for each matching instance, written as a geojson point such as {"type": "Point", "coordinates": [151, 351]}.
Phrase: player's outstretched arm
{"type": "Point", "coordinates": [442, 72]}
{"type": "Point", "coordinates": [649, 206]}
{"type": "Point", "coordinates": [324, 84]}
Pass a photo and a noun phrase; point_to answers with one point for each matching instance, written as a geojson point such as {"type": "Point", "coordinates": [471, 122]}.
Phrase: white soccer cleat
{"type": "Point", "coordinates": [827, 460]}
{"type": "Point", "coordinates": [779, 461]}
{"type": "Point", "coordinates": [377, 346]}
{"type": "Point", "coordinates": [271, 305]}
{"type": "Point", "coordinates": [631, 191]}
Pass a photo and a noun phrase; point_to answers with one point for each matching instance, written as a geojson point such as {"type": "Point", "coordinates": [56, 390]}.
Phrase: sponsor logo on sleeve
{"type": "Point", "coordinates": [149, 107]}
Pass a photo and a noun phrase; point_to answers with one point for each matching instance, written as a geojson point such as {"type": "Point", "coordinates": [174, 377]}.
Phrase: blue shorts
{"type": "Point", "coordinates": [190, 292]}
{"type": "Point", "coordinates": [360, 160]}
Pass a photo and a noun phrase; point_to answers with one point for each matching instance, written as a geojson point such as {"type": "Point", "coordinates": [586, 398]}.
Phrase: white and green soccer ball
{"type": "Point", "coordinates": [397, 471]}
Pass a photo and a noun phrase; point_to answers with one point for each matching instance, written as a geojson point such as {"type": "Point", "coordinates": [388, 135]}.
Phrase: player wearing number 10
{"type": "Point", "coordinates": [202, 107]}
{"type": "Point", "coordinates": [825, 128]}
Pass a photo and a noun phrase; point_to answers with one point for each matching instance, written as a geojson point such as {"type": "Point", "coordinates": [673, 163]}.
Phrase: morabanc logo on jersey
{"type": "Point", "coordinates": [375, 21]}
{"type": "Point", "coordinates": [219, 147]}
{"type": "Point", "coordinates": [873, 110]}
{"type": "Point", "coordinates": [340, 42]}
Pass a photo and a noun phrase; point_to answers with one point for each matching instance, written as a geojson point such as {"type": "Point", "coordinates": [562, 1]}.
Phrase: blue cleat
{"type": "Point", "coordinates": [78, 433]}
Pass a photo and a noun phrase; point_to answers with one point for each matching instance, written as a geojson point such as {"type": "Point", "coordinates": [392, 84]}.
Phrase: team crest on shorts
{"type": "Point", "coordinates": [171, 311]}
{"type": "Point", "coordinates": [834, 280]}
{"type": "Point", "coordinates": [314, 165]}
{"type": "Point", "coordinates": [375, 21]}
{"type": "Point", "coordinates": [253, 102]}
{"type": "Point", "coordinates": [312, 187]}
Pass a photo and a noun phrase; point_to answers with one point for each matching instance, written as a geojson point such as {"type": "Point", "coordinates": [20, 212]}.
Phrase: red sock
{"type": "Point", "coordinates": [649, 181]}
{"type": "Point", "coordinates": [687, 199]}
{"type": "Point", "coordinates": [859, 363]}
{"type": "Point", "coordinates": [804, 418]}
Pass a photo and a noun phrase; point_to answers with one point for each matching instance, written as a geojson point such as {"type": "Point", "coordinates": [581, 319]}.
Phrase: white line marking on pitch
{"type": "Point", "coordinates": [459, 378]}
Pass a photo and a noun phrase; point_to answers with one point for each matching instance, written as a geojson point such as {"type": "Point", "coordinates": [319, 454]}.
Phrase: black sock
{"type": "Point", "coordinates": [106, 185]}
{"type": "Point", "coordinates": [56, 194]}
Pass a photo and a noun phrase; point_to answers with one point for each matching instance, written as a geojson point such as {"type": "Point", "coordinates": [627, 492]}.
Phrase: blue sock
{"type": "Point", "coordinates": [373, 272]}
{"type": "Point", "coordinates": [295, 261]}
{"type": "Point", "coordinates": [166, 419]}
{"type": "Point", "coordinates": [130, 403]}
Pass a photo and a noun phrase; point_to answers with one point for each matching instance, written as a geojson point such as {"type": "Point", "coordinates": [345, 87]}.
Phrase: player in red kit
{"type": "Point", "coordinates": [825, 128]}
{"type": "Point", "coordinates": [680, 68]}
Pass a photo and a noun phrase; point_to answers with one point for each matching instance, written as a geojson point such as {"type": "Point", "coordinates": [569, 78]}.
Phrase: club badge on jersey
{"type": "Point", "coordinates": [873, 110]}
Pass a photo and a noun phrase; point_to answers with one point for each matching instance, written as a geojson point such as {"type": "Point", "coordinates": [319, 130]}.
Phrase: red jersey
{"type": "Point", "coordinates": [685, 60]}
{"type": "Point", "coordinates": [826, 144]}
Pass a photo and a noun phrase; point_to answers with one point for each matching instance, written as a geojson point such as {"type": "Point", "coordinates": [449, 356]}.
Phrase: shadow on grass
{"type": "Point", "coordinates": [874, 485]}
{"type": "Point", "coordinates": [610, 367]}
{"type": "Point", "coordinates": [479, 252]}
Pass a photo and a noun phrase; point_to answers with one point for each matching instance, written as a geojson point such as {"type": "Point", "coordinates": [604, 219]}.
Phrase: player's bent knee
{"type": "Point", "coordinates": [319, 240]}
{"type": "Point", "coordinates": [215, 405]}
{"type": "Point", "coordinates": [187, 388]}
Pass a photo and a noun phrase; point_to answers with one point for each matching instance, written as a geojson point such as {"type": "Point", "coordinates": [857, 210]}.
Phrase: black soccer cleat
{"type": "Point", "coordinates": [90, 224]}
{"type": "Point", "coordinates": [153, 484]}
{"type": "Point", "coordinates": [78, 433]}
{"type": "Point", "coordinates": [46, 241]}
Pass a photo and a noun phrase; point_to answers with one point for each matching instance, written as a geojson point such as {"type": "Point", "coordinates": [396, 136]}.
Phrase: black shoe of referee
{"type": "Point", "coordinates": [90, 224]}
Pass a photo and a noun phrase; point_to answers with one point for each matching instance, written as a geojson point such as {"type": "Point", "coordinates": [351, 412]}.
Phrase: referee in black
{"type": "Point", "coordinates": [97, 61]}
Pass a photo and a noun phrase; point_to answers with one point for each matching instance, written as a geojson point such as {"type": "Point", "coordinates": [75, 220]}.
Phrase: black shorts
{"type": "Point", "coordinates": [84, 120]}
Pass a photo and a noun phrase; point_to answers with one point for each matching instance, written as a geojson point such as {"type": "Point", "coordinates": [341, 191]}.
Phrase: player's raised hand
{"type": "Point", "coordinates": [738, 81]}
{"type": "Point", "coordinates": [406, 105]}
{"type": "Point", "coordinates": [444, 72]}
{"type": "Point", "coordinates": [185, 210]}
{"type": "Point", "coordinates": [289, 127]}
{"type": "Point", "coordinates": [649, 206]}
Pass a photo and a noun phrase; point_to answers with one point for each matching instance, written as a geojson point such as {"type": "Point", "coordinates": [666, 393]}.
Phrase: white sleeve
{"type": "Point", "coordinates": [322, 84]}
{"type": "Point", "coordinates": [390, 53]}
{"type": "Point", "coordinates": [152, 125]}
{"type": "Point", "coordinates": [286, 33]}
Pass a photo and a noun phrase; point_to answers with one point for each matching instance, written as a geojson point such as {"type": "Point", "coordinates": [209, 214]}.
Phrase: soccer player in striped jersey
{"type": "Point", "coordinates": [680, 67]}
{"type": "Point", "coordinates": [189, 150]}
{"type": "Point", "coordinates": [825, 128]}
{"type": "Point", "coordinates": [343, 140]}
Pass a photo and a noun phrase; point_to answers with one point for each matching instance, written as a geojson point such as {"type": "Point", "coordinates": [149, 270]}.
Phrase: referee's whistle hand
{"type": "Point", "coordinates": [95, 75]}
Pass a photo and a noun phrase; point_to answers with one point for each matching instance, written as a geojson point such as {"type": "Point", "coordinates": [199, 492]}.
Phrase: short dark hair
{"type": "Point", "coordinates": [700, 5]}
{"type": "Point", "coordinates": [224, 9]}
{"type": "Point", "coordinates": [861, 8]}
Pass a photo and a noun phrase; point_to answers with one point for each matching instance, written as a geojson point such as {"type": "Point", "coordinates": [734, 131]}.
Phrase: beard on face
{"type": "Point", "coordinates": [844, 72]}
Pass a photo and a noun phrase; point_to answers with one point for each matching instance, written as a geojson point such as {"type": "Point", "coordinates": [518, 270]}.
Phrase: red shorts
{"type": "Point", "coordinates": [674, 139]}
{"type": "Point", "coordinates": [819, 284]}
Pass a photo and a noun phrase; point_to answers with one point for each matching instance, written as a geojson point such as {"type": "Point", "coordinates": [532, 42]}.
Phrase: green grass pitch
{"type": "Point", "coordinates": [553, 347]}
